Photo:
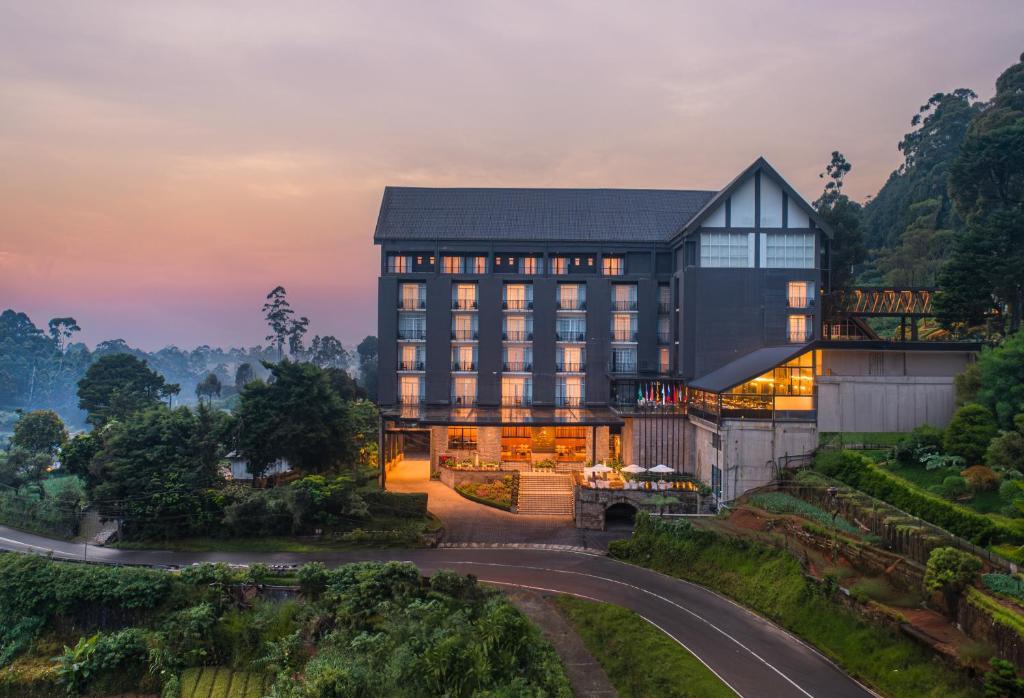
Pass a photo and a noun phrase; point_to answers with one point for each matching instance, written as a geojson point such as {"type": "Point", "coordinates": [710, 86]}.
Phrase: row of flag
{"type": "Point", "coordinates": [659, 393]}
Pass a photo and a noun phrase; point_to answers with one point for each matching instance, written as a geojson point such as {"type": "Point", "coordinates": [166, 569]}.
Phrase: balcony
{"type": "Point", "coordinates": [411, 399]}
{"type": "Point", "coordinates": [411, 366]}
{"type": "Point", "coordinates": [465, 335]}
{"type": "Point", "coordinates": [464, 400]}
{"type": "Point", "coordinates": [412, 335]}
{"type": "Point", "coordinates": [624, 305]}
{"type": "Point", "coordinates": [412, 304]}
{"type": "Point", "coordinates": [517, 336]}
{"type": "Point", "coordinates": [569, 366]}
{"type": "Point", "coordinates": [517, 304]}
{"type": "Point", "coordinates": [571, 336]}
{"type": "Point", "coordinates": [801, 302]}
{"type": "Point", "coordinates": [572, 305]}
{"type": "Point", "coordinates": [517, 367]}
{"type": "Point", "coordinates": [623, 336]}
{"type": "Point", "coordinates": [800, 336]}
{"type": "Point", "coordinates": [622, 367]}
{"type": "Point", "coordinates": [464, 304]}
{"type": "Point", "coordinates": [463, 366]}
{"type": "Point", "coordinates": [664, 338]}
{"type": "Point", "coordinates": [568, 400]}
{"type": "Point", "coordinates": [664, 308]}
{"type": "Point", "coordinates": [516, 400]}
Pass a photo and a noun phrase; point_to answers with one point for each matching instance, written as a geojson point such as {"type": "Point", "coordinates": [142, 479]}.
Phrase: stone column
{"type": "Point", "coordinates": [488, 444]}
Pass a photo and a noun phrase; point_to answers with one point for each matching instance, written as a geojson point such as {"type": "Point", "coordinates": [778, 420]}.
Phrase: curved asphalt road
{"type": "Point", "coordinates": [756, 658]}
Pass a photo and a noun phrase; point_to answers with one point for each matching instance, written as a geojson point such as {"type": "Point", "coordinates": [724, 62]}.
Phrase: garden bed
{"type": "Point", "coordinates": [495, 493]}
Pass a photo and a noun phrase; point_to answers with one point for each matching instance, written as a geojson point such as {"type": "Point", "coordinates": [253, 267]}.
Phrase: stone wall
{"type": "Point", "coordinates": [449, 476]}
{"type": "Point", "coordinates": [591, 504]}
{"type": "Point", "coordinates": [488, 444]}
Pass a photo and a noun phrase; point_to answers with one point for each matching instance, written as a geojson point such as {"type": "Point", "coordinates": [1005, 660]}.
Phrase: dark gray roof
{"type": "Point", "coordinates": [747, 367]}
{"type": "Point", "coordinates": [620, 215]}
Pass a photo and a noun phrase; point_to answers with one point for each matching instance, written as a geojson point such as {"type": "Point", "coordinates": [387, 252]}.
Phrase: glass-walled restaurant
{"type": "Point", "coordinates": [784, 393]}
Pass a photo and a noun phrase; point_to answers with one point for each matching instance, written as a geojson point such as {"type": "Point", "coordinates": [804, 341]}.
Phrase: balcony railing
{"type": "Point", "coordinates": [569, 366]}
{"type": "Point", "coordinates": [568, 400]}
{"type": "Point", "coordinates": [664, 308]}
{"type": "Point", "coordinates": [622, 366]}
{"type": "Point", "coordinates": [572, 305]}
{"type": "Point", "coordinates": [516, 400]}
{"type": "Point", "coordinates": [412, 304]}
{"type": "Point", "coordinates": [465, 400]}
{"type": "Point", "coordinates": [664, 338]}
{"type": "Point", "coordinates": [571, 336]}
{"type": "Point", "coordinates": [410, 398]}
{"type": "Point", "coordinates": [623, 336]}
{"type": "Point", "coordinates": [411, 366]}
{"type": "Point", "coordinates": [465, 335]}
{"type": "Point", "coordinates": [801, 302]}
{"type": "Point", "coordinates": [517, 336]}
{"type": "Point", "coordinates": [414, 335]}
{"type": "Point", "coordinates": [463, 366]}
{"type": "Point", "coordinates": [517, 304]}
{"type": "Point", "coordinates": [464, 304]}
{"type": "Point", "coordinates": [517, 366]}
{"type": "Point", "coordinates": [798, 337]}
{"type": "Point", "coordinates": [623, 305]}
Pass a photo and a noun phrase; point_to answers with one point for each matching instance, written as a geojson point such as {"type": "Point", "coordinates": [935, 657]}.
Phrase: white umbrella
{"type": "Point", "coordinates": [600, 468]}
{"type": "Point", "coordinates": [634, 468]}
{"type": "Point", "coordinates": [661, 468]}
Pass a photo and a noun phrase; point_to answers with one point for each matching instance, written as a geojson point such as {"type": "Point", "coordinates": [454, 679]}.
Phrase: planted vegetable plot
{"type": "Point", "coordinates": [782, 503]}
{"type": "Point", "coordinates": [221, 682]}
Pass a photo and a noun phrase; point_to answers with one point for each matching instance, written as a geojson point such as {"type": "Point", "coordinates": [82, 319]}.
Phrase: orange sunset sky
{"type": "Point", "coordinates": [164, 164]}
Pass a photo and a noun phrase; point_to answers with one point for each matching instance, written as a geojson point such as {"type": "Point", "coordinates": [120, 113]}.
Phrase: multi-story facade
{"type": "Point", "coordinates": [567, 325]}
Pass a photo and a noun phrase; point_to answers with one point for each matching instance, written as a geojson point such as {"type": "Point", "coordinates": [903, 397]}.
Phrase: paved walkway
{"type": "Point", "coordinates": [469, 522]}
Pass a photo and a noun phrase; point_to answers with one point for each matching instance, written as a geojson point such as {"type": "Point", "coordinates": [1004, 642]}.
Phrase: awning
{"type": "Point", "coordinates": [503, 416]}
{"type": "Point", "coordinates": [747, 367]}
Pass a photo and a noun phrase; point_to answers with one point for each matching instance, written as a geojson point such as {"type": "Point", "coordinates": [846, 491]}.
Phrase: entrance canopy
{"type": "Point", "coordinates": [503, 416]}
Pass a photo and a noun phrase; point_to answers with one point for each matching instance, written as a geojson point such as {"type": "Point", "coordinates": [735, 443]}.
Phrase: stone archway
{"type": "Point", "coordinates": [620, 516]}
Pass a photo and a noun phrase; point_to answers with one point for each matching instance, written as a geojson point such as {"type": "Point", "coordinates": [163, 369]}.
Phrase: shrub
{"type": "Point", "coordinates": [1001, 379]}
{"type": "Point", "coordinates": [1009, 489]}
{"type": "Point", "coordinates": [921, 441]}
{"type": "Point", "coordinates": [1002, 681]}
{"type": "Point", "coordinates": [980, 478]}
{"type": "Point", "coordinates": [861, 473]}
{"type": "Point", "coordinates": [950, 570]}
{"type": "Point", "coordinates": [313, 579]}
{"type": "Point", "coordinates": [969, 432]}
{"type": "Point", "coordinates": [258, 573]}
{"type": "Point", "coordinates": [1006, 451]}
{"type": "Point", "coordinates": [115, 660]}
{"type": "Point", "coordinates": [405, 505]}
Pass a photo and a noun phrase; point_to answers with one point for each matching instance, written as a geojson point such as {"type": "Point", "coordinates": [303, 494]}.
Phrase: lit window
{"type": "Point", "coordinates": [612, 266]}
{"type": "Point", "coordinates": [559, 265]}
{"type": "Point", "coordinates": [461, 438]}
{"type": "Point", "coordinates": [479, 265]}
{"type": "Point", "coordinates": [799, 328]}
{"type": "Point", "coordinates": [726, 250]}
{"type": "Point", "coordinates": [452, 265]}
{"type": "Point", "coordinates": [398, 264]}
{"type": "Point", "coordinates": [788, 250]}
{"type": "Point", "coordinates": [411, 389]}
{"type": "Point", "coordinates": [528, 265]}
{"type": "Point", "coordinates": [663, 360]}
{"type": "Point", "coordinates": [800, 294]}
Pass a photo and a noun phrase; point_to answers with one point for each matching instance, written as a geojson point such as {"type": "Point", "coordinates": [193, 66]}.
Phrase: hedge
{"type": "Point", "coordinates": [859, 472]}
{"type": "Point", "coordinates": [406, 505]}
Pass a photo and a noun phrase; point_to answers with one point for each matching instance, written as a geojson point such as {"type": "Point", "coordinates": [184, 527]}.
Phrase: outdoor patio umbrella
{"type": "Point", "coordinates": [633, 469]}
{"type": "Point", "coordinates": [600, 468]}
{"type": "Point", "coordinates": [661, 468]}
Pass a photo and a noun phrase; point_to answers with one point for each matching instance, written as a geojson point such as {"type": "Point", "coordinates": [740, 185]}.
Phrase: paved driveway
{"type": "Point", "coordinates": [469, 522]}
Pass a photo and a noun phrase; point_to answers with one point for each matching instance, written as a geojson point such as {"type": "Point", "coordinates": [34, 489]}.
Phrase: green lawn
{"type": "Point", "coordinates": [639, 659]}
{"type": "Point", "coordinates": [981, 502]}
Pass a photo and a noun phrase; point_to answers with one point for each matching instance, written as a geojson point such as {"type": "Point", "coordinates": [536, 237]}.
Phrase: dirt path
{"type": "Point", "coordinates": [585, 674]}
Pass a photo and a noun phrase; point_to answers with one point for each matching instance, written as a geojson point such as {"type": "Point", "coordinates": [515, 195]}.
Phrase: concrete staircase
{"type": "Point", "coordinates": [545, 493]}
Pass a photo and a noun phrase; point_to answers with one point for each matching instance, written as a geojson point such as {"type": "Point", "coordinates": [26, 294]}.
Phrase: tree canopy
{"type": "Point", "coordinates": [118, 385]}
{"type": "Point", "coordinates": [40, 431]}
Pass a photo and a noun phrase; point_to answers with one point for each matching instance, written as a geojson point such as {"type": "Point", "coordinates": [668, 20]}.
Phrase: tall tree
{"type": "Point", "coordinates": [40, 431]}
{"type": "Point", "coordinates": [296, 332]}
{"type": "Point", "coordinates": [278, 312]}
{"type": "Point", "coordinates": [243, 374]}
{"type": "Point", "coordinates": [938, 129]}
{"type": "Point", "coordinates": [328, 352]}
{"type": "Point", "coordinates": [846, 248]}
{"type": "Point", "coordinates": [208, 388]}
{"type": "Point", "coordinates": [367, 350]}
{"type": "Point", "coordinates": [61, 330]}
{"type": "Point", "coordinates": [986, 182]}
{"type": "Point", "coordinates": [297, 416]}
{"type": "Point", "coordinates": [118, 385]}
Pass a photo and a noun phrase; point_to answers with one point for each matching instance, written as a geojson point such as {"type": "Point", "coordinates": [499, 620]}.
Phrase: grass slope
{"type": "Point", "coordinates": [772, 583]}
{"type": "Point", "coordinates": [639, 659]}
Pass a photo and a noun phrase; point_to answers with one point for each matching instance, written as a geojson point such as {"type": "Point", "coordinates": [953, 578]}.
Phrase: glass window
{"type": "Point", "coordinates": [518, 328]}
{"type": "Point", "coordinates": [623, 360]}
{"type": "Point", "coordinates": [799, 328]}
{"type": "Point", "coordinates": [559, 265]}
{"type": "Point", "coordinates": [789, 250]}
{"type": "Point", "coordinates": [572, 296]}
{"type": "Point", "coordinates": [518, 296]}
{"type": "Point", "coordinates": [571, 329]}
{"type": "Point", "coordinates": [412, 326]}
{"type": "Point", "coordinates": [461, 438]}
{"type": "Point", "coordinates": [569, 358]}
{"type": "Point", "coordinates": [477, 265]}
{"type": "Point", "coordinates": [727, 250]}
{"type": "Point", "coordinates": [518, 358]}
{"type": "Point", "coordinates": [624, 297]}
{"type": "Point", "coordinates": [569, 391]}
{"type": "Point", "coordinates": [663, 360]}
{"type": "Point", "coordinates": [464, 390]}
{"type": "Point", "coordinates": [800, 294]}
{"type": "Point", "coordinates": [464, 296]}
{"type": "Point", "coordinates": [530, 265]}
{"type": "Point", "coordinates": [413, 297]}
{"type": "Point", "coordinates": [410, 389]}
{"type": "Point", "coordinates": [411, 357]}
{"type": "Point", "coordinates": [451, 265]}
{"type": "Point", "coordinates": [516, 390]}
{"type": "Point", "coordinates": [623, 327]}
{"type": "Point", "coordinates": [399, 264]}
{"type": "Point", "coordinates": [664, 298]}
{"type": "Point", "coordinates": [612, 266]}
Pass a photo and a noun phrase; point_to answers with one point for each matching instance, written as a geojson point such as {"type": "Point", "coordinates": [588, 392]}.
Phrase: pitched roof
{"type": "Point", "coordinates": [747, 367]}
{"type": "Point", "coordinates": [643, 215]}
